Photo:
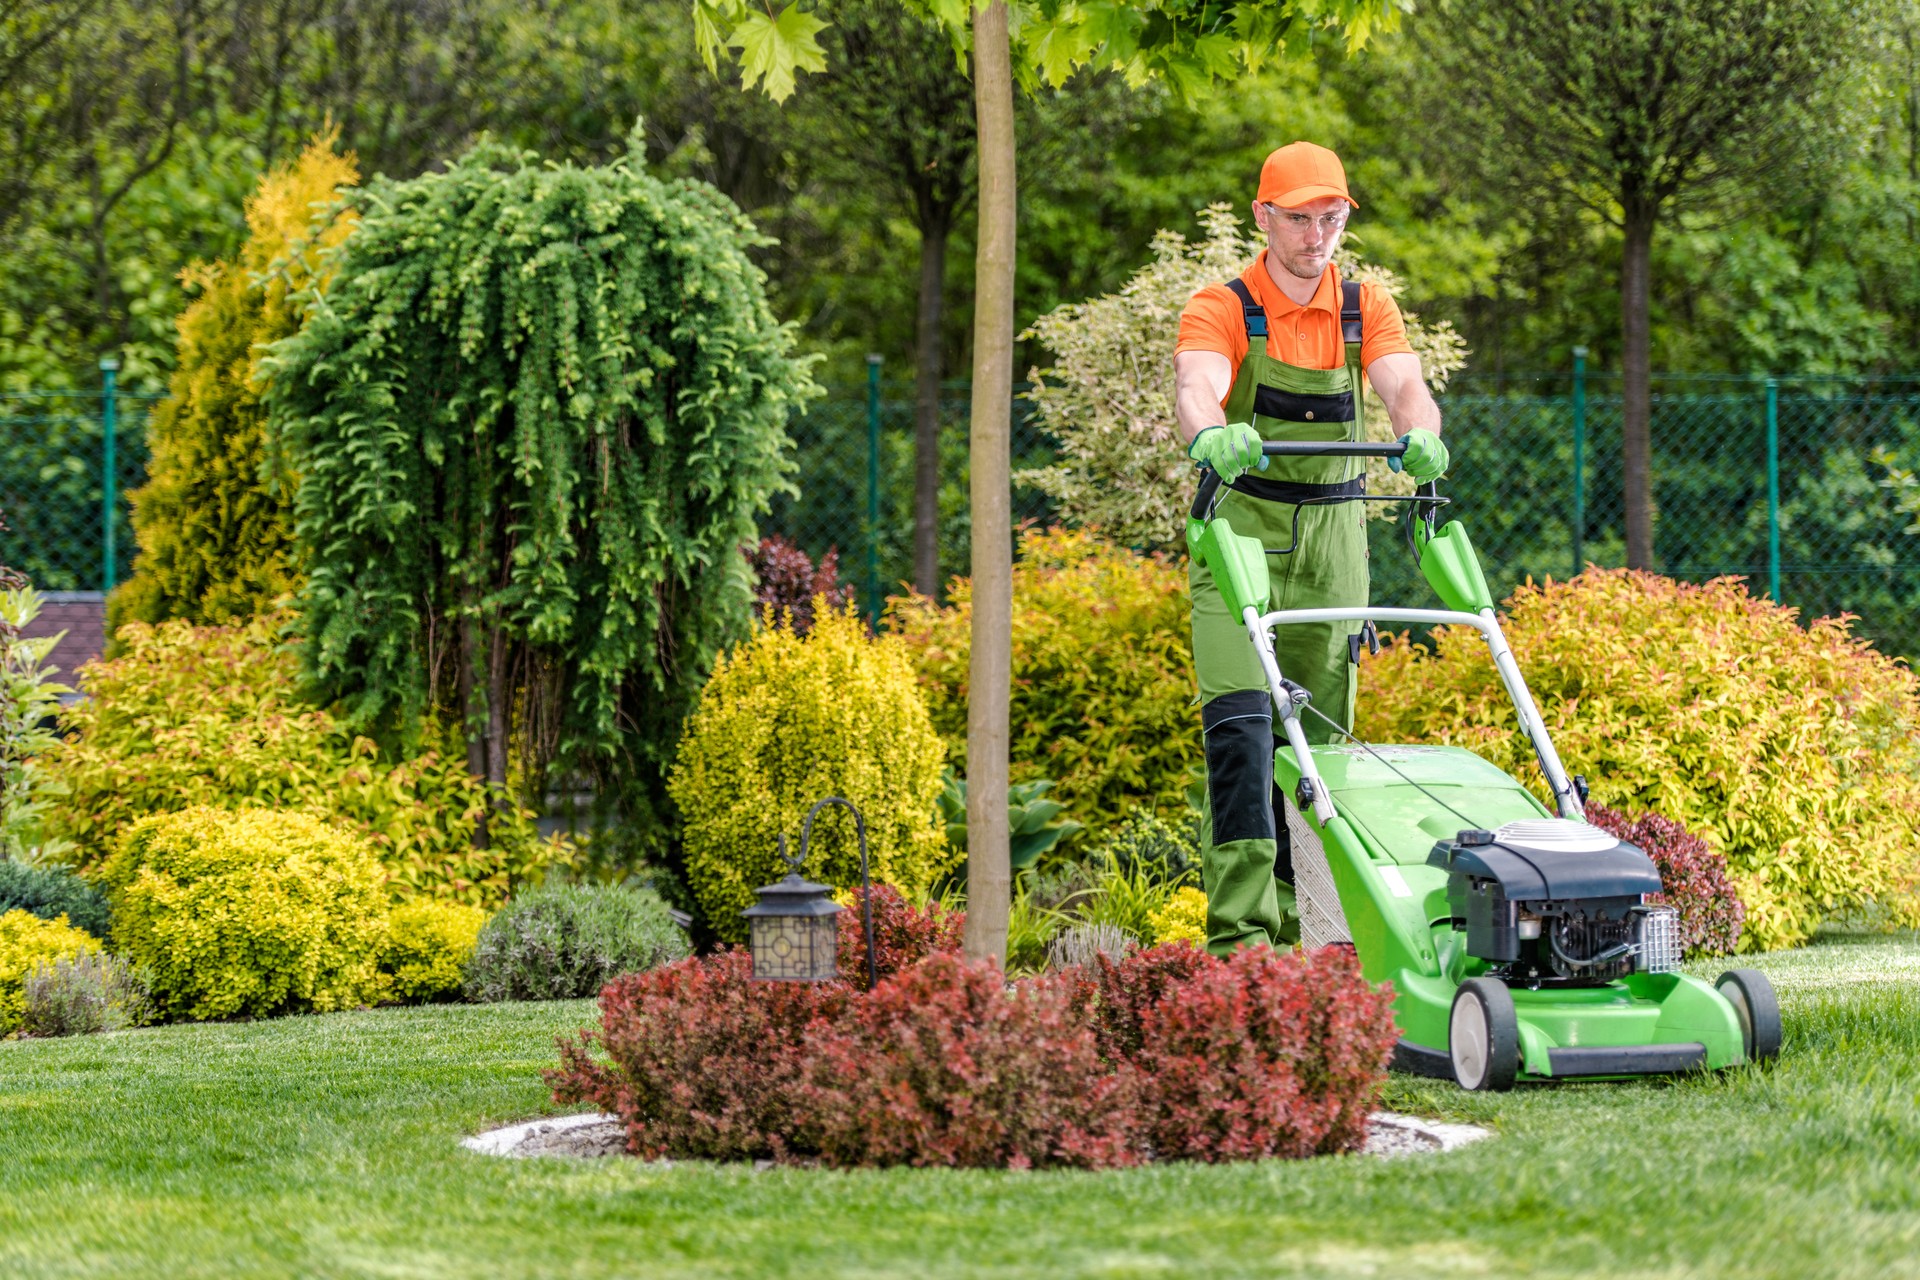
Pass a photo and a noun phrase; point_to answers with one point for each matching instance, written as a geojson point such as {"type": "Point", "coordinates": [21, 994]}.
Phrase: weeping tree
{"type": "Point", "coordinates": [1189, 44]}
{"type": "Point", "coordinates": [535, 416]}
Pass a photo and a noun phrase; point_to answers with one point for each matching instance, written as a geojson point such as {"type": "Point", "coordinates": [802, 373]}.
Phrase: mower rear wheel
{"type": "Point", "coordinates": [1752, 998]}
{"type": "Point", "coordinates": [1483, 1036]}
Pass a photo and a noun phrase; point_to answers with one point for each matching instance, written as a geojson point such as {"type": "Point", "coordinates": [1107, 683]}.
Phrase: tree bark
{"type": "Point", "coordinates": [1636, 471]}
{"type": "Point", "coordinates": [990, 493]}
{"type": "Point", "coordinates": [471, 713]}
{"type": "Point", "coordinates": [926, 405]}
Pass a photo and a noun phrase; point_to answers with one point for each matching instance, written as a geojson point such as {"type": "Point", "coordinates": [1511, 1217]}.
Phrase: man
{"type": "Point", "coordinates": [1279, 354]}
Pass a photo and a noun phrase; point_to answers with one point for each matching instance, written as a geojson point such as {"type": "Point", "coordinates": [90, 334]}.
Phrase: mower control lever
{"type": "Point", "coordinates": [1332, 448]}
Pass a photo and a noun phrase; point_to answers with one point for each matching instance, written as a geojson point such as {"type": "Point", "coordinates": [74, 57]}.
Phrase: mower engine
{"type": "Point", "coordinates": [1554, 901]}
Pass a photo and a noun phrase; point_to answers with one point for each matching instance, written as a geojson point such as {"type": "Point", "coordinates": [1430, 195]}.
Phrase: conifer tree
{"type": "Point", "coordinates": [535, 416]}
{"type": "Point", "coordinates": [214, 520]}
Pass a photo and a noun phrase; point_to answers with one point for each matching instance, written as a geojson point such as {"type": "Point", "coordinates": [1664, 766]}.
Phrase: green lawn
{"type": "Point", "coordinates": [326, 1146]}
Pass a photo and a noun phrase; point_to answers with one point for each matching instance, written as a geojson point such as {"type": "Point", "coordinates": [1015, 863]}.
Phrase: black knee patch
{"type": "Point", "coordinates": [1239, 731]}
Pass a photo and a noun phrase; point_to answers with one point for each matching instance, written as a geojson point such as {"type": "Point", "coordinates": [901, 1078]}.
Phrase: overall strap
{"type": "Point", "coordinates": [1256, 315]}
{"type": "Point", "coordinates": [1349, 310]}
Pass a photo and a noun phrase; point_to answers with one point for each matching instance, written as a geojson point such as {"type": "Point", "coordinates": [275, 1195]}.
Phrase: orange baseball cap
{"type": "Point", "coordinates": [1299, 172]}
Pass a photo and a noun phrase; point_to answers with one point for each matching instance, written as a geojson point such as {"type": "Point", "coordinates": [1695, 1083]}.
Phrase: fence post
{"type": "Point", "coordinates": [109, 467]}
{"type": "Point", "coordinates": [1579, 459]}
{"type": "Point", "coordinates": [1773, 489]}
{"type": "Point", "coordinates": [873, 490]}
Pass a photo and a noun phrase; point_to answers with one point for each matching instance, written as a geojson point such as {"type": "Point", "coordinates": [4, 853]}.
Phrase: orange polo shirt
{"type": "Point", "coordinates": [1306, 336]}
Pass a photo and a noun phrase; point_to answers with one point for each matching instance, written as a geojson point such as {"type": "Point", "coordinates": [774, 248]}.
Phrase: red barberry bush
{"type": "Point", "coordinates": [789, 582]}
{"type": "Point", "coordinates": [1695, 878]}
{"type": "Point", "coordinates": [903, 934]}
{"type": "Point", "coordinates": [702, 1060]}
{"type": "Point", "coordinates": [1266, 1054]}
{"type": "Point", "coordinates": [945, 1064]}
{"type": "Point", "coordinates": [1114, 996]}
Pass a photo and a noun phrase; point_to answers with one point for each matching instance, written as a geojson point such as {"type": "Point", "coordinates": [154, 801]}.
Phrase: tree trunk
{"type": "Point", "coordinates": [472, 714]}
{"type": "Point", "coordinates": [1636, 471]}
{"type": "Point", "coordinates": [990, 492]}
{"type": "Point", "coordinates": [926, 405]}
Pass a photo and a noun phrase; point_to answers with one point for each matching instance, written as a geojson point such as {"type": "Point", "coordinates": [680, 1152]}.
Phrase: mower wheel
{"type": "Point", "coordinates": [1752, 998]}
{"type": "Point", "coordinates": [1483, 1036]}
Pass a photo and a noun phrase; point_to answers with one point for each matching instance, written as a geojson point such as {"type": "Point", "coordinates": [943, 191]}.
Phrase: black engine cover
{"type": "Point", "coordinates": [1533, 875]}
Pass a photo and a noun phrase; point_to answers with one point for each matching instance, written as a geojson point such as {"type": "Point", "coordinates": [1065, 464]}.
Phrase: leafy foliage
{"type": "Point", "coordinates": [1147, 843]}
{"type": "Point", "coordinates": [213, 716]}
{"type": "Point", "coordinates": [565, 941]}
{"type": "Point", "coordinates": [85, 993]}
{"type": "Point", "coordinates": [1791, 750]}
{"type": "Point", "coordinates": [945, 1064]}
{"type": "Point", "coordinates": [789, 582]}
{"type": "Point", "coordinates": [1186, 43]}
{"type": "Point", "coordinates": [1108, 397]}
{"type": "Point", "coordinates": [27, 941]}
{"type": "Point", "coordinates": [214, 520]}
{"type": "Point", "coordinates": [785, 721]}
{"type": "Point", "coordinates": [426, 948]}
{"type": "Point", "coordinates": [1693, 875]}
{"type": "Point", "coordinates": [903, 934]}
{"type": "Point", "coordinates": [1183, 918]}
{"type": "Point", "coordinates": [1265, 1054]}
{"type": "Point", "coordinates": [1102, 677]}
{"type": "Point", "coordinates": [534, 420]}
{"type": "Point", "coordinates": [1034, 823]}
{"type": "Point", "coordinates": [53, 893]}
{"type": "Point", "coordinates": [703, 1060]}
{"type": "Point", "coordinates": [29, 696]}
{"type": "Point", "coordinates": [254, 912]}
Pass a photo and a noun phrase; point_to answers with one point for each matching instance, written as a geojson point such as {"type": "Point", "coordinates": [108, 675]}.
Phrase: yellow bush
{"type": "Point", "coordinates": [424, 954]}
{"type": "Point", "coordinates": [1183, 919]}
{"type": "Point", "coordinates": [1102, 673]}
{"type": "Point", "coordinates": [255, 912]}
{"type": "Point", "coordinates": [26, 941]}
{"type": "Point", "coordinates": [786, 720]}
{"type": "Point", "coordinates": [1792, 750]}
{"type": "Point", "coordinates": [214, 716]}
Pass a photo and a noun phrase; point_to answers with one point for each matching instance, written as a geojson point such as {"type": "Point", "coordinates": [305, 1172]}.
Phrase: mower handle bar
{"type": "Point", "coordinates": [1210, 482]}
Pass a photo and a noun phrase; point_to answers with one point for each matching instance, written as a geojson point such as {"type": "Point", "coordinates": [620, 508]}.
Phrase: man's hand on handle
{"type": "Point", "coordinates": [1426, 456]}
{"type": "Point", "coordinates": [1230, 450]}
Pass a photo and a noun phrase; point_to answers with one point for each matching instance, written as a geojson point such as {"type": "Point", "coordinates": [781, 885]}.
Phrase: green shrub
{"type": "Point", "coordinates": [1102, 673]}
{"type": "Point", "coordinates": [214, 519]}
{"type": "Point", "coordinates": [212, 716]}
{"type": "Point", "coordinates": [28, 696]}
{"type": "Point", "coordinates": [426, 948]}
{"type": "Point", "coordinates": [561, 942]}
{"type": "Point", "coordinates": [1146, 843]}
{"type": "Point", "coordinates": [1034, 823]}
{"type": "Point", "coordinates": [26, 942]}
{"type": "Point", "coordinates": [50, 892]}
{"type": "Point", "coordinates": [83, 994]}
{"type": "Point", "coordinates": [785, 721]}
{"type": "Point", "coordinates": [1793, 751]}
{"type": "Point", "coordinates": [249, 912]}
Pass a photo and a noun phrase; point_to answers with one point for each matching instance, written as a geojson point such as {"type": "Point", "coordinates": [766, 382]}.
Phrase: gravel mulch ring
{"type": "Point", "coordinates": [592, 1135]}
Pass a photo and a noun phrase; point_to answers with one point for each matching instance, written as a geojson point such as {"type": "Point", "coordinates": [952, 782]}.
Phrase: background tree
{"type": "Point", "coordinates": [1189, 45]}
{"type": "Point", "coordinates": [214, 521]}
{"type": "Point", "coordinates": [1640, 110]}
{"type": "Point", "coordinates": [535, 416]}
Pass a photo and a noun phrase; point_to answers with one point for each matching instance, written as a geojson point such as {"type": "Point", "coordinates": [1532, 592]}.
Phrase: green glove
{"type": "Point", "coordinates": [1425, 458]}
{"type": "Point", "coordinates": [1229, 450]}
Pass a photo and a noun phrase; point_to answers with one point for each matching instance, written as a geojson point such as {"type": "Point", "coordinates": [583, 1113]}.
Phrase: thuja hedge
{"type": "Point", "coordinates": [534, 415]}
{"type": "Point", "coordinates": [1166, 1054]}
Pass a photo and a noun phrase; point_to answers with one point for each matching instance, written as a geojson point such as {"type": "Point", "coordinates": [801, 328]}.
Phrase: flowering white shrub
{"type": "Point", "coordinates": [1108, 398]}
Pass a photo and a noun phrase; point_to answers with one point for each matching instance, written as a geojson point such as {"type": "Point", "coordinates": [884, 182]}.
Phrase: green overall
{"type": "Point", "coordinates": [1326, 569]}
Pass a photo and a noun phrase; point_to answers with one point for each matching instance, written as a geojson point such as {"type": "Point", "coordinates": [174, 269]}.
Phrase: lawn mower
{"type": "Point", "coordinates": [1519, 942]}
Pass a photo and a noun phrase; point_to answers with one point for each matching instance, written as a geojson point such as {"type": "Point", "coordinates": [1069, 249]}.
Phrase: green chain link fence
{"type": "Point", "coordinates": [1805, 519]}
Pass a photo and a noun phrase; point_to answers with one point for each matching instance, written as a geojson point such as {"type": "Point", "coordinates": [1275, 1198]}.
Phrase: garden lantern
{"type": "Point", "coordinates": [794, 930]}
